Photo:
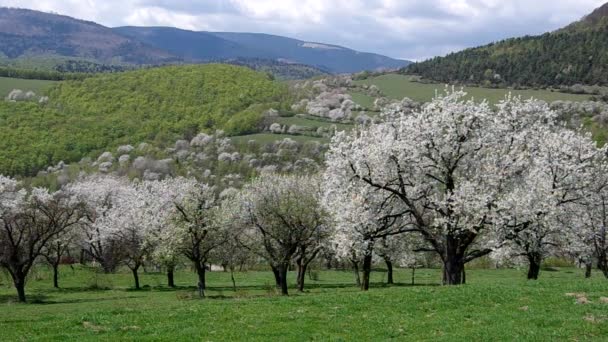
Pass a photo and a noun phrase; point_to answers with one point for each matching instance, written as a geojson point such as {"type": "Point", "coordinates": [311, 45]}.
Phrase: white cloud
{"type": "Point", "coordinates": [414, 29]}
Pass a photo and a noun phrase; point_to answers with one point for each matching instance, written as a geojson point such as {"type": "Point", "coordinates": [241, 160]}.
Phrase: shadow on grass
{"type": "Point", "coordinates": [43, 299]}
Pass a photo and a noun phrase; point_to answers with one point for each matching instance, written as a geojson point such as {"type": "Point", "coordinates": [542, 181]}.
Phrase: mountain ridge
{"type": "Point", "coordinates": [27, 33]}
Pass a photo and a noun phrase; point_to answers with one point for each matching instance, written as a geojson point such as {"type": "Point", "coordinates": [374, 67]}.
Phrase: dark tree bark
{"type": "Point", "coordinates": [277, 276]}
{"type": "Point", "coordinates": [534, 262]}
{"type": "Point", "coordinates": [588, 268]}
{"type": "Point", "coordinates": [301, 275]}
{"type": "Point", "coordinates": [367, 270]}
{"type": "Point", "coordinates": [413, 275]}
{"type": "Point", "coordinates": [453, 266]}
{"type": "Point", "coordinates": [232, 278]}
{"type": "Point", "coordinates": [356, 271]}
{"type": "Point", "coordinates": [19, 276]}
{"type": "Point", "coordinates": [201, 272]}
{"type": "Point", "coordinates": [56, 275]}
{"type": "Point", "coordinates": [136, 276]}
{"type": "Point", "coordinates": [170, 276]}
{"type": "Point", "coordinates": [389, 271]}
{"type": "Point", "coordinates": [602, 257]}
{"type": "Point", "coordinates": [283, 276]}
{"type": "Point", "coordinates": [464, 274]}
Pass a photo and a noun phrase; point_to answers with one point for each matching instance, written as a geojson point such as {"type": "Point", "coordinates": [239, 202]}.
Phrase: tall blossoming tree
{"type": "Point", "coordinates": [446, 164]}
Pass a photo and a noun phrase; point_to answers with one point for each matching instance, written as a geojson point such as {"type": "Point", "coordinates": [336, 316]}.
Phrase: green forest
{"type": "Point", "coordinates": [575, 55]}
{"type": "Point", "coordinates": [156, 105]}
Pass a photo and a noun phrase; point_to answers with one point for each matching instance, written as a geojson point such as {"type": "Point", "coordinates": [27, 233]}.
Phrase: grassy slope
{"type": "Point", "coordinates": [37, 86]}
{"type": "Point", "coordinates": [495, 305]}
{"type": "Point", "coordinates": [265, 138]}
{"type": "Point", "coordinates": [399, 86]}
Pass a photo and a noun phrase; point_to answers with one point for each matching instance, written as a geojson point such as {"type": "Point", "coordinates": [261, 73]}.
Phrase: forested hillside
{"type": "Point", "coordinates": [575, 54]}
{"type": "Point", "coordinates": [159, 105]}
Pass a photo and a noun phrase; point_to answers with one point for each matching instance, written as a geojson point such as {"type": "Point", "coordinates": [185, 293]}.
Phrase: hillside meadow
{"type": "Point", "coordinates": [494, 305]}
{"type": "Point", "coordinates": [397, 86]}
{"type": "Point", "coordinates": [38, 86]}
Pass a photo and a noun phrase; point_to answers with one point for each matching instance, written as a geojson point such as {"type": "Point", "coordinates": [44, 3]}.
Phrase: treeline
{"type": "Point", "coordinates": [279, 70]}
{"type": "Point", "coordinates": [565, 57]}
{"type": "Point", "coordinates": [31, 74]}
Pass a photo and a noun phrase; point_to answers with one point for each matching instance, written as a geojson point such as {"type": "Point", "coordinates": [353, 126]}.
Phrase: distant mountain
{"type": "Point", "coordinates": [39, 37]}
{"type": "Point", "coordinates": [575, 54]}
{"type": "Point", "coordinates": [26, 33]}
{"type": "Point", "coordinates": [200, 46]}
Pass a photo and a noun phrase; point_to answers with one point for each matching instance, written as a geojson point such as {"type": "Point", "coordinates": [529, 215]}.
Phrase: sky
{"type": "Point", "coordinates": [406, 29]}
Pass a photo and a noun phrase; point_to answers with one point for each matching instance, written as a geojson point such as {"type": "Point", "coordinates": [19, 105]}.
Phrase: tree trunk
{"type": "Point", "coordinates": [136, 276]}
{"type": "Point", "coordinates": [464, 274]}
{"type": "Point", "coordinates": [588, 268]}
{"type": "Point", "coordinates": [56, 275]}
{"type": "Point", "coordinates": [301, 276]}
{"type": "Point", "coordinates": [389, 268]}
{"type": "Point", "coordinates": [534, 261]}
{"type": "Point", "coordinates": [170, 276]}
{"type": "Point", "coordinates": [19, 282]}
{"type": "Point", "coordinates": [283, 275]}
{"type": "Point", "coordinates": [602, 264]}
{"type": "Point", "coordinates": [356, 270]}
{"type": "Point", "coordinates": [20, 286]}
{"type": "Point", "coordinates": [277, 276]}
{"type": "Point", "coordinates": [367, 270]}
{"type": "Point", "coordinates": [452, 270]}
{"type": "Point", "coordinates": [413, 275]}
{"type": "Point", "coordinates": [232, 278]}
{"type": "Point", "coordinates": [200, 271]}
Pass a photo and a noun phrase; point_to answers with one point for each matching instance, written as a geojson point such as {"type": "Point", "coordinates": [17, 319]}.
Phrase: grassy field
{"type": "Point", "coordinates": [37, 86]}
{"type": "Point", "coordinates": [494, 305]}
{"type": "Point", "coordinates": [311, 122]}
{"type": "Point", "coordinates": [400, 86]}
{"type": "Point", "coordinates": [265, 138]}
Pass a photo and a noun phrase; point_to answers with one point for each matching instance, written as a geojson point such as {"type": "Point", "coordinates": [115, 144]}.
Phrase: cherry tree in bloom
{"type": "Point", "coordinates": [363, 217]}
{"type": "Point", "coordinates": [101, 195]}
{"type": "Point", "coordinates": [590, 221]}
{"type": "Point", "coordinates": [28, 222]}
{"type": "Point", "coordinates": [195, 228]}
{"type": "Point", "coordinates": [163, 234]}
{"type": "Point", "coordinates": [446, 165]}
{"type": "Point", "coordinates": [282, 216]}
{"type": "Point", "coordinates": [536, 215]}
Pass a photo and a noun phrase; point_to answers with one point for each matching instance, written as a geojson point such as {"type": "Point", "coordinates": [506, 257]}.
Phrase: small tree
{"type": "Point", "coordinates": [194, 227]}
{"type": "Point", "coordinates": [28, 224]}
{"type": "Point", "coordinates": [100, 194]}
{"type": "Point", "coordinates": [282, 215]}
{"type": "Point", "coordinates": [537, 213]}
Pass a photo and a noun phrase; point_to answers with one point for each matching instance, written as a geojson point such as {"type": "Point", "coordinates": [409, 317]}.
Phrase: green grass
{"type": "Point", "coordinates": [37, 86]}
{"type": "Point", "coordinates": [311, 122]}
{"type": "Point", "coordinates": [495, 305]}
{"type": "Point", "coordinates": [363, 100]}
{"type": "Point", "coordinates": [400, 86]}
{"type": "Point", "coordinates": [266, 138]}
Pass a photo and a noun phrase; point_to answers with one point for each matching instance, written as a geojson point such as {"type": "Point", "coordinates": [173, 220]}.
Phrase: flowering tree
{"type": "Point", "coordinates": [28, 222]}
{"type": "Point", "coordinates": [283, 217]}
{"type": "Point", "coordinates": [363, 217]}
{"type": "Point", "coordinates": [59, 247]}
{"type": "Point", "coordinates": [101, 194]}
{"type": "Point", "coordinates": [195, 228]}
{"type": "Point", "coordinates": [538, 211]}
{"type": "Point", "coordinates": [446, 165]}
{"type": "Point", "coordinates": [590, 220]}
